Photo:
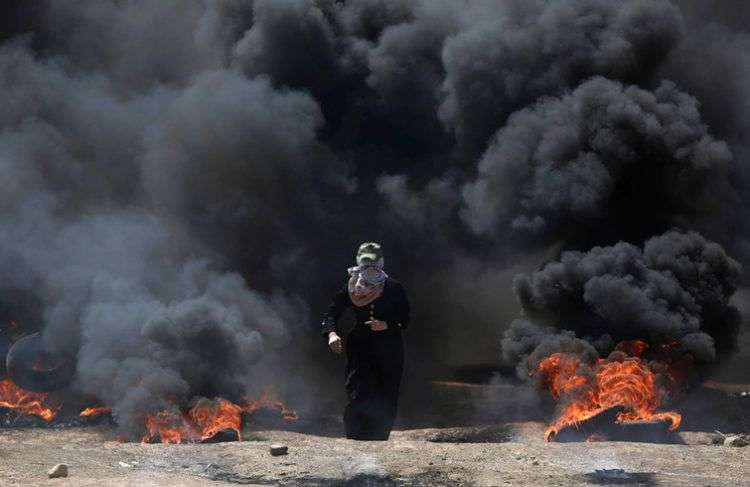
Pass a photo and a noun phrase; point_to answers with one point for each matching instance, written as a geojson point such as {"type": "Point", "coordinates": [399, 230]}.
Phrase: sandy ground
{"type": "Point", "coordinates": [517, 457]}
{"type": "Point", "coordinates": [477, 443]}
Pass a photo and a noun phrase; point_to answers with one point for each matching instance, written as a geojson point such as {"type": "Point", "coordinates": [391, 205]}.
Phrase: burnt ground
{"type": "Point", "coordinates": [479, 448]}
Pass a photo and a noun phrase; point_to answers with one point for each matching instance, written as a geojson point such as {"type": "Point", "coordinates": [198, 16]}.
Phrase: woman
{"type": "Point", "coordinates": [374, 350]}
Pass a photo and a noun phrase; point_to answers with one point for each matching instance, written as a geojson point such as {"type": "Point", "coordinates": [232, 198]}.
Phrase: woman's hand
{"type": "Point", "coordinates": [377, 325]}
{"type": "Point", "coordinates": [334, 342]}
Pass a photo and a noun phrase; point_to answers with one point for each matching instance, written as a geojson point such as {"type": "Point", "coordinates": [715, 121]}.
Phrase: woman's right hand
{"type": "Point", "coordinates": [334, 342]}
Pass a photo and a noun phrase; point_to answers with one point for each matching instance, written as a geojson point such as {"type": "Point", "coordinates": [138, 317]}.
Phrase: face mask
{"type": "Point", "coordinates": [373, 275]}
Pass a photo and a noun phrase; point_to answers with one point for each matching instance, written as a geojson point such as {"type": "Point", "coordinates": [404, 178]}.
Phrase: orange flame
{"type": "Point", "coordinates": [26, 403]}
{"type": "Point", "coordinates": [93, 411]}
{"type": "Point", "coordinates": [170, 427]}
{"type": "Point", "coordinates": [266, 401]}
{"type": "Point", "coordinates": [589, 390]}
{"type": "Point", "coordinates": [201, 422]}
{"type": "Point", "coordinates": [213, 418]}
{"type": "Point", "coordinates": [206, 419]}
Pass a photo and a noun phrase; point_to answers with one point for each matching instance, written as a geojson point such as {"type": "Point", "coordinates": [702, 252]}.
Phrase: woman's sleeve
{"type": "Point", "coordinates": [338, 305]}
{"type": "Point", "coordinates": [404, 308]}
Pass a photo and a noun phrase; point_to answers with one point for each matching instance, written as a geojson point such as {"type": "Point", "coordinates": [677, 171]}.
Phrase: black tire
{"type": "Point", "coordinates": [20, 365]}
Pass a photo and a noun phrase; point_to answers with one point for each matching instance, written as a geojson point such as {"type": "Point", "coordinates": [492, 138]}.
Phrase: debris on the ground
{"type": "Point", "coordinates": [738, 441]}
{"type": "Point", "coordinates": [59, 470]}
{"type": "Point", "coordinates": [124, 465]}
{"type": "Point", "coordinates": [277, 449]}
{"type": "Point", "coordinates": [479, 434]}
{"type": "Point", "coordinates": [611, 474]}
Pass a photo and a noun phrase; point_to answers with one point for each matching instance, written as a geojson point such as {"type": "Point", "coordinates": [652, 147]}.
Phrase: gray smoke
{"type": "Point", "coordinates": [524, 50]}
{"type": "Point", "coordinates": [526, 343]}
{"type": "Point", "coordinates": [677, 288]}
{"type": "Point", "coordinates": [111, 206]}
{"type": "Point", "coordinates": [572, 162]}
{"type": "Point", "coordinates": [184, 182]}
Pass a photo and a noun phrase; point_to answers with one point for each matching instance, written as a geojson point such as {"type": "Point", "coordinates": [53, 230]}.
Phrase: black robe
{"type": "Point", "coordinates": [374, 360]}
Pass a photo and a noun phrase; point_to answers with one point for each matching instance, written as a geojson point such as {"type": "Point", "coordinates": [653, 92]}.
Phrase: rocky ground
{"type": "Point", "coordinates": [412, 457]}
{"type": "Point", "coordinates": [485, 454]}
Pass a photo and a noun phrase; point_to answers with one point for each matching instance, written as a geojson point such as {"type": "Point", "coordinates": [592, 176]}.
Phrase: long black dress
{"type": "Point", "coordinates": [374, 360]}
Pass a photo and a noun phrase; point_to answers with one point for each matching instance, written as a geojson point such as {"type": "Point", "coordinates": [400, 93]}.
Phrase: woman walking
{"type": "Point", "coordinates": [374, 349]}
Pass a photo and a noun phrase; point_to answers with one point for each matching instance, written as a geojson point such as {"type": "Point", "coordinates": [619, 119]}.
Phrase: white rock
{"type": "Point", "coordinates": [59, 470]}
{"type": "Point", "coordinates": [124, 465]}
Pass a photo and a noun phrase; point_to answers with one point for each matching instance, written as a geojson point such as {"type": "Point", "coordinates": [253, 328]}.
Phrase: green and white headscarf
{"type": "Point", "coordinates": [370, 263]}
{"type": "Point", "coordinates": [367, 278]}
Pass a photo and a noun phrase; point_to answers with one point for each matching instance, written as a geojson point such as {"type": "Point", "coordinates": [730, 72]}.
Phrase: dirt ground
{"type": "Point", "coordinates": [519, 457]}
{"type": "Point", "coordinates": [467, 449]}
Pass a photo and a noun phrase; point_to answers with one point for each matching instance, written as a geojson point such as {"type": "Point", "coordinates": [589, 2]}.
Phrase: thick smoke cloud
{"type": "Point", "coordinates": [526, 343]}
{"type": "Point", "coordinates": [291, 41]}
{"type": "Point", "coordinates": [677, 288]}
{"type": "Point", "coordinates": [154, 339]}
{"type": "Point", "coordinates": [605, 152]}
{"type": "Point", "coordinates": [106, 249]}
{"type": "Point", "coordinates": [530, 49]}
{"type": "Point", "coordinates": [184, 182]}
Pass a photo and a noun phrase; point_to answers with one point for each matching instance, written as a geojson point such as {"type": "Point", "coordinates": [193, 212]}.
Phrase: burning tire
{"type": "Point", "coordinates": [32, 368]}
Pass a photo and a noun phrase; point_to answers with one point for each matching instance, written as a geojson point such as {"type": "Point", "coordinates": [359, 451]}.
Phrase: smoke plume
{"type": "Point", "coordinates": [676, 289]}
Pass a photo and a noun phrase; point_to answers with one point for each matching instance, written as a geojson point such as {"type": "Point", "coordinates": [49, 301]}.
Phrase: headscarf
{"type": "Point", "coordinates": [367, 279]}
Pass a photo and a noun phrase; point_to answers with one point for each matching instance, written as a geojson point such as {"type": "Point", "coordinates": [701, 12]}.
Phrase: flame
{"type": "Point", "coordinates": [266, 401]}
{"type": "Point", "coordinates": [170, 427]}
{"type": "Point", "coordinates": [206, 419]}
{"type": "Point", "coordinates": [213, 418]}
{"type": "Point", "coordinates": [93, 411]}
{"type": "Point", "coordinates": [589, 389]}
{"type": "Point", "coordinates": [201, 422]}
{"type": "Point", "coordinates": [26, 403]}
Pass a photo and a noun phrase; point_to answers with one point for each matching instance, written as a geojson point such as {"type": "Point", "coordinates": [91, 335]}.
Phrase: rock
{"type": "Point", "coordinates": [278, 449]}
{"type": "Point", "coordinates": [124, 465]}
{"type": "Point", "coordinates": [737, 441]}
{"type": "Point", "coordinates": [59, 470]}
{"type": "Point", "coordinates": [611, 474]}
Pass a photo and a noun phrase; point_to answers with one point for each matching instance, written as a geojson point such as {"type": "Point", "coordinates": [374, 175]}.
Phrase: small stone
{"type": "Point", "coordinates": [124, 465]}
{"type": "Point", "coordinates": [737, 441]}
{"type": "Point", "coordinates": [535, 462]}
{"type": "Point", "coordinates": [278, 449]}
{"type": "Point", "coordinates": [59, 470]}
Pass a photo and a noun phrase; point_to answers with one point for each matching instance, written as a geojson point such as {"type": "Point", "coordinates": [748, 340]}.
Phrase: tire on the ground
{"type": "Point", "coordinates": [20, 365]}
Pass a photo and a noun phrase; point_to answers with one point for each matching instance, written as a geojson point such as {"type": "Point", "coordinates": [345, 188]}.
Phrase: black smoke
{"type": "Point", "coordinates": [605, 156]}
{"type": "Point", "coordinates": [185, 182]}
{"type": "Point", "coordinates": [677, 288]}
